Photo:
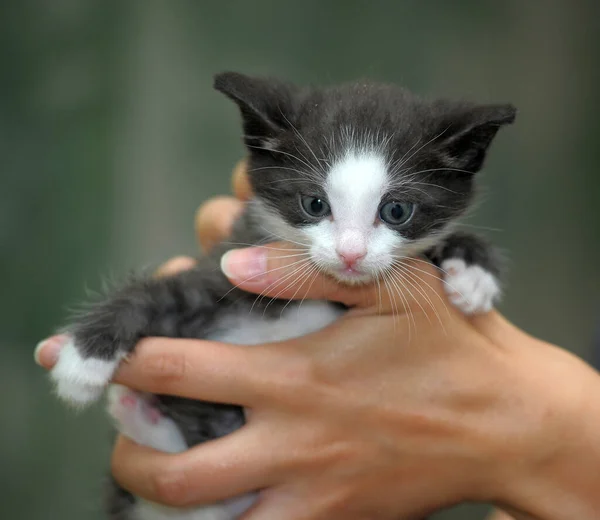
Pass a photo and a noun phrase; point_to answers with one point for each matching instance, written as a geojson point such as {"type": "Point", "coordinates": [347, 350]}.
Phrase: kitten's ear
{"type": "Point", "coordinates": [466, 132]}
{"type": "Point", "coordinates": [266, 106]}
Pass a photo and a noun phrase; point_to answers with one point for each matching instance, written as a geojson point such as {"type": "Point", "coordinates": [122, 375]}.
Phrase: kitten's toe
{"type": "Point", "coordinates": [79, 380]}
{"type": "Point", "coordinates": [471, 288]}
{"type": "Point", "coordinates": [137, 417]}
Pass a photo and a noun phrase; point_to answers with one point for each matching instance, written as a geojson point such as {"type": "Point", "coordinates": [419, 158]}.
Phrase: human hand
{"type": "Point", "coordinates": [358, 421]}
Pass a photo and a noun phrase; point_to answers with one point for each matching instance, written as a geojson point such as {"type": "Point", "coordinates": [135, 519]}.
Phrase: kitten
{"type": "Point", "coordinates": [360, 176]}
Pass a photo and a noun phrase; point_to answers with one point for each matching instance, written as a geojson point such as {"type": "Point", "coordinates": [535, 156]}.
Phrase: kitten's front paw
{"type": "Point", "coordinates": [137, 417]}
{"type": "Point", "coordinates": [79, 380]}
{"type": "Point", "coordinates": [471, 288]}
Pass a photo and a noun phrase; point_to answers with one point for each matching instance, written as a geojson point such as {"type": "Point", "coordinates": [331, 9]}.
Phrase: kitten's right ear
{"type": "Point", "coordinates": [266, 106]}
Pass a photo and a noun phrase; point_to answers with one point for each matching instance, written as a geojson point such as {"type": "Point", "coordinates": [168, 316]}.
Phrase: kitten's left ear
{"type": "Point", "coordinates": [466, 133]}
{"type": "Point", "coordinates": [266, 106]}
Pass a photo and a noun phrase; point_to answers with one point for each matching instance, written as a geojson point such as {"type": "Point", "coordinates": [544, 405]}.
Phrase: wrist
{"type": "Point", "coordinates": [550, 470]}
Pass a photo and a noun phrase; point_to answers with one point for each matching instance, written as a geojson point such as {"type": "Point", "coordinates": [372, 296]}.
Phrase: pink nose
{"type": "Point", "coordinates": [351, 257]}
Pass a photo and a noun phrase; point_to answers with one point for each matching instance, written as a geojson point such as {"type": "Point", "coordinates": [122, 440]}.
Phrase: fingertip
{"type": "Point", "coordinates": [263, 269]}
{"type": "Point", "coordinates": [47, 351]}
{"type": "Point", "coordinates": [240, 182]}
{"type": "Point", "coordinates": [175, 265]}
{"type": "Point", "coordinates": [215, 218]}
{"type": "Point", "coordinates": [247, 267]}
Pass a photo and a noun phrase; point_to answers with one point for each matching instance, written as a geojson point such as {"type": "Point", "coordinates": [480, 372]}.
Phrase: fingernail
{"type": "Point", "coordinates": [246, 266]}
{"type": "Point", "coordinates": [46, 351]}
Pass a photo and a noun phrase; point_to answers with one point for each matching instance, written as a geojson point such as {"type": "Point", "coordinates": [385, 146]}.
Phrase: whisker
{"type": "Point", "coordinates": [442, 279]}
{"type": "Point", "coordinates": [247, 244]}
{"type": "Point", "coordinates": [301, 137]}
{"type": "Point", "coordinates": [446, 169]}
{"type": "Point", "coordinates": [315, 276]}
{"type": "Point", "coordinates": [393, 289]}
{"type": "Point", "coordinates": [305, 277]}
{"type": "Point", "coordinates": [287, 168]}
{"type": "Point", "coordinates": [298, 275]}
{"type": "Point", "coordinates": [400, 273]}
{"type": "Point", "coordinates": [285, 239]}
{"type": "Point", "coordinates": [431, 184]}
{"type": "Point", "coordinates": [392, 301]}
{"type": "Point", "coordinates": [429, 301]}
{"type": "Point", "coordinates": [399, 161]}
{"type": "Point", "coordinates": [421, 147]}
{"type": "Point", "coordinates": [413, 268]}
{"type": "Point", "coordinates": [275, 285]}
{"type": "Point", "coordinates": [379, 309]}
{"type": "Point", "coordinates": [404, 271]}
{"type": "Point", "coordinates": [405, 299]}
{"type": "Point", "coordinates": [485, 228]}
{"type": "Point", "coordinates": [427, 262]}
{"type": "Point", "coordinates": [240, 262]}
{"type": "Point", "coordinates": [283, 153]}
{"type": "Point", "coordinates": [261, 274]}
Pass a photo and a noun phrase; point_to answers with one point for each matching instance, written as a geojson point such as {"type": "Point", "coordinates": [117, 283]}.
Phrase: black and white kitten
{"type": "Point", "coordinates": [359, 176]}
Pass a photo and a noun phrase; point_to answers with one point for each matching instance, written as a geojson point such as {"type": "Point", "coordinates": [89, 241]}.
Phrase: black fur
{"type": "Point", "coordinates": [440, 144]}
{"type": "Point", "coordinates": [473, 249]}
{"type": "Point", "coordinates": [293, 134]}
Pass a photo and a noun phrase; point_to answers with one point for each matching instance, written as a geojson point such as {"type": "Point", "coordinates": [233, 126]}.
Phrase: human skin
{"type": "Point", "coordinates": [360, 420]}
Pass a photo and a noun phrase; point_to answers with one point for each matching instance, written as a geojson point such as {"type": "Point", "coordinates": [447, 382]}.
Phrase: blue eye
{"type": "Point", "coordinates": [315, 206]}
{"type": "Point", "coordinates": [397, 213]}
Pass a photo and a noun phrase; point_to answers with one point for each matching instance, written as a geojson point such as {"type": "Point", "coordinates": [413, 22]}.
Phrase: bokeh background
{"type": "Point", "coordinates": [111, 136]}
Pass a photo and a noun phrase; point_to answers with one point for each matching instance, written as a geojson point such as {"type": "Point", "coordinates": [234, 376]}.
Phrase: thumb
{"type": "Point", "coordinates": [281, 270]}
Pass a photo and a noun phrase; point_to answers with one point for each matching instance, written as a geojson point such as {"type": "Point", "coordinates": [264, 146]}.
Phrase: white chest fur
{"type": "Point", "coordinates": [293, 322]}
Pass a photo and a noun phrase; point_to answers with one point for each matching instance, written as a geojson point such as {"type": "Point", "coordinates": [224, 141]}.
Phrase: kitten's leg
{"type": "Point", "coordinates": [471, 270]}
{"type": "Point", "coordinates": [95, 343]}
{"type": "Point", "coordinates": [137, 417]}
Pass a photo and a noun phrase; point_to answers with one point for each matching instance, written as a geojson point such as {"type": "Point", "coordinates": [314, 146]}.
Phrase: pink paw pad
{"type": "Point", "coordinates": [153, 415]}
{"type": "Point", "coordinates": [128, 401]}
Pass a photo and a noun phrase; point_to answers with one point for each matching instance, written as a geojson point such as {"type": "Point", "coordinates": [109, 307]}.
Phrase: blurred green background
{"type": "Point", "coordinates": [111, 136]}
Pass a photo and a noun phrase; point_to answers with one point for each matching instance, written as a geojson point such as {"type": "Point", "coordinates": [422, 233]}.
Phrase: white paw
{"type": "Point", "coordinates": [470, 288]}
{"type": "Point", "coordinates": [137, 417]}
{"type": "Point", "coordinates": [80, 381]}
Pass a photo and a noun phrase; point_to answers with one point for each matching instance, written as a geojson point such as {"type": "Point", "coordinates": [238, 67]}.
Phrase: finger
{"type": "Point", "coordinates": [240, 181]}
{"type": "Point", "coordinates": [214, 220]}
{"type": "Point", "coordinates": [499, 515]}
{"type": "Point", "coordinates": [498, 329]}
{"type": "Point", "coordinates": [47, 351]}
{"type": "Point", "coordinates": [284, 271]}
{"type": "Point", "coordinates": [271, 507]}
{"type": "Point", "coordinates": [196, 369]}
{"type": "Point", "coordinates": [175, 265]}
{"type": "Point", "coordinates": [207, 473]}
{"type": "Point", "coordinates": [293, 504]}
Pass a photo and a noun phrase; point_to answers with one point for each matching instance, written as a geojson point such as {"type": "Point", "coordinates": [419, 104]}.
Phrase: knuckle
{"type": "Point", "coordinates": [171, 487]}
{"type": "Point", "coordinates": [166, 366]}
{"type": "Point", "coordinates": [297, 373]}
{"type": "Point", "coordinates": [299, 379]}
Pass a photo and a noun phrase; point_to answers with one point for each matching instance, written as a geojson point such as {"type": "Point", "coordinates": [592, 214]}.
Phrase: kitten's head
{"type": "Point", "coordinates": [363, 174]}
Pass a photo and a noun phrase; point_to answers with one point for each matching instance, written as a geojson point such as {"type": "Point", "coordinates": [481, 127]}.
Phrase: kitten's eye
{"type": "Point", "coordinates": [315, 206]}
{"type": "Point", "coordinates": [396, 213]}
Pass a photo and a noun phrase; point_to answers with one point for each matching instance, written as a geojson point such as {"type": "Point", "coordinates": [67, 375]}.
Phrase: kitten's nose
{"type": "Point", "coordinates": [351, 246]}
{"type": "Point", "coordinates": [351, 257]}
